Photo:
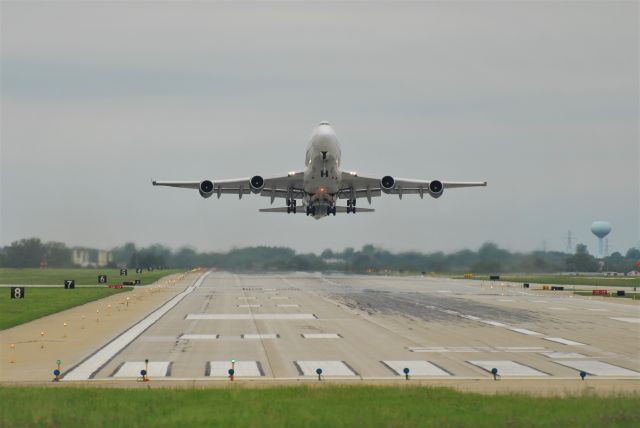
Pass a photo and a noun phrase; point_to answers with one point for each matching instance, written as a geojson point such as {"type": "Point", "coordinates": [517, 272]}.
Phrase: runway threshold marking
{"type": "Point", "coordinates": [199, 336]}
{"type": "Point", "coordinates": [321, 336]}
{"type": "Point", "coordinates": [525, 331]}
{"type": "Point", "coordinates": [88, 367]}
{"type": "Point", "coordinates": [630, 320]}
{"type": "Point", "coordinates": [251, 317]}
{"type": "Point", "coordinates": [329, 368]}
{"type": "Point", "coordinates": [508, 368]}
{"type": "Point", "coordinates": [472, 349]}
{"type": "Point", "coordinates": [563, 341]}
{"type": "Point", "coordinates": [241, 369]}
{"type": "Point", "coordinates": [154, 369]}
{"type": "Point", "coordinates": [416, 368]}
{"type": "Point", "coordinates": [559, 355]}
{"type": "Point", "coordinates": [598, 368]}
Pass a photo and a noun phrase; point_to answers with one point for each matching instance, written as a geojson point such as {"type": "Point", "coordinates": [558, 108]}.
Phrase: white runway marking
{"type": "Point", "coordinates": [329, 368]}
{"type": "Point", "coordinates": [416, 368]}
{"type": "Point", "coordinates": [279, 298]}
{"type": "Point", "coordinates": [444, 291]}
{"type": "Point", "coordinates": [132, 369]}
{"type": "Point", "coordinates": [525, 331]}
{"type": "Point", "coordinates": [560, 355]}
{"type": "Point", "coordinates": [470, 317]}
{"type": "Point", "coordinates": [87, 368]}
{"type": "Point", "coordinates": [288, 306]}
{"type": "Point", "coordinates": [494, 323]}
{"type": "Point", "coordinates": [199, 336]}
{"type": "Point", "coordinates": [564, 341]}
{"type": "Point", "coordinates": [598, 310]}
{"type": "Point", "coordinates": [241, 369]}
{"type": "Point", "coordinates": [247, 298]}
{"type": "Point", "coordinates": [506, 300]}
{"type": "Point", "coordinates": [249, 306]}
{"type": "Point", "coordinates": [539, 301]}
{"type": "Point", "coordinates": [560, 309]}
{"type": "Point", "coordinates": [260, 336]}
{"type": "Point", "coordinates": [251, 317]}
{"type": "Point", "coordinates": [469, 349]}
{"type": "Point", "coordinates": [507, 368]}
{"type": "Point", "coordinates": [631, 320]}
{"type": "Point", "coordinates": [598, 368]}
{"type": "Point", "coordinates": [321, 336]}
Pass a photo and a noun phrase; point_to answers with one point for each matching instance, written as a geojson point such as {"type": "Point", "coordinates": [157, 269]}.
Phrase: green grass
{"type": "Point", "coordinates": [82, 276]}
{"type": "Point", "coordinates": [628, 295]}
{"type": "Point", "coordinates": [334, 406]}
{"type": "Point", "coordinates": [569, 280]}
{"type": "Point", "coordinates": [40, 301]}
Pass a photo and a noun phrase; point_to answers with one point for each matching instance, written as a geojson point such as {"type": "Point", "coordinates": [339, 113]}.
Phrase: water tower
{"type": "Point", "coordinates": [600, 229]}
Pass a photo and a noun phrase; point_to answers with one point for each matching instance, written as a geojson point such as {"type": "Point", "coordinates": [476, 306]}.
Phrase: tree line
{"type": "Point", "coordinates": [489, 258]}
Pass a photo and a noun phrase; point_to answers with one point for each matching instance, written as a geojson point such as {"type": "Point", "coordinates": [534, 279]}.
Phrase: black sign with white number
{"type": "Point", "coordinates": [138, 270]}
{"type": "Point", "coordinates": [123, 272]}
{"type": "Point", "coordinates": [136, 282]}
{"type": "Point", "coordinates": [102, 279]}
{"type": "Point", "coordinates": [17, 292]}
{"type": "Point", "coordinates": [69, 283]}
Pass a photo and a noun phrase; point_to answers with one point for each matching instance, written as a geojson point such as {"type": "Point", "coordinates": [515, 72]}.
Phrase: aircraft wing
{"type": "Point", "coordinates": [355, 185]}
{"type": "Point", "coordinates": [288, 186]}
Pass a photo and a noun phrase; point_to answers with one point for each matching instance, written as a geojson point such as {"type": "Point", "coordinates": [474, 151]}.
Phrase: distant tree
{"type": "Point", "coordinates": [56, 254]}
{"type": "Point", "coordinates": [25, 253]}
{"type": "Point", "coordinates": [582, 261]}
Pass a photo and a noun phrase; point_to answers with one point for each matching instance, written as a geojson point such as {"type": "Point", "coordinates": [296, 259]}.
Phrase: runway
{"type": "Point", "coordinates": [373, 327]}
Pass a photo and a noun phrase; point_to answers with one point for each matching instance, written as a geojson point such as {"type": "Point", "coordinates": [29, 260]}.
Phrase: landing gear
{"type": "Point", "coordinates": [331, 210]}
{"type": "Point", "coordinates": [291, 206]}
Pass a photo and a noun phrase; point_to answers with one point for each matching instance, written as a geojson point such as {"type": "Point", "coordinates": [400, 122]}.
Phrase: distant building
{"type": "Point", "coordinates": [89, 257]}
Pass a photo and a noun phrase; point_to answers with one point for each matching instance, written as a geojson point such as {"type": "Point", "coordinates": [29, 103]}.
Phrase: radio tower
{"type": "Point", "coordinates": [569, 242]}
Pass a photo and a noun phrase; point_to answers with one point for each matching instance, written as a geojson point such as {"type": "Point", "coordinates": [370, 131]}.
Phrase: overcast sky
{"type": "Point", "coordinates": [538, 98]}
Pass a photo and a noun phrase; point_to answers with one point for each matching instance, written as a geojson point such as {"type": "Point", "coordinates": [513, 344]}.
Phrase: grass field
{"type": "Point", "coordinates": [40, 301]}
{"type": "Point", "coordinates": [334, 406]}
{"type": "Point", "coordinates": [82, 276]}
{"type": "Point", "coordinates": [569, 280]}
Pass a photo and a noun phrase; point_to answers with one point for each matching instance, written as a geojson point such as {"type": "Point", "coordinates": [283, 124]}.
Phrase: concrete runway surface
{"type": "Point", "coordinates": [279, 327]}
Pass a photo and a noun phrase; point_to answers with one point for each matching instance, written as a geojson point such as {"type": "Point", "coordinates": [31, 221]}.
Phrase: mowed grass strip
{"type": "Point", "coordinates": [40, 301]}
{"type": "Point", "coordinates": [82, 276]}
{"type": "Point", "coordinates": [333, 406]}
{"type": "Point", "coordinates": [569, 280]}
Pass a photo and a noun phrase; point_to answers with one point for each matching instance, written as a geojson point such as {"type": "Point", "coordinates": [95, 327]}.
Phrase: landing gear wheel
{"type": "Point", "coordinates": [293, 209]}
{"type": "Point", "coordinates": [353, 210]}
{"type": "Point", "coordinates": [288, 202]}
{"type": "Point", "coordinates": [333, 211]}
{"type": "Point", "coordinates": [288, 210]}
{"type": "Point", "coordinates": [348, 209]}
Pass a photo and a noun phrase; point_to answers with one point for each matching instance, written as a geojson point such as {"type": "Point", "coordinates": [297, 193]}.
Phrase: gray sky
{"type": "Point", "coordinates": [540, 99]}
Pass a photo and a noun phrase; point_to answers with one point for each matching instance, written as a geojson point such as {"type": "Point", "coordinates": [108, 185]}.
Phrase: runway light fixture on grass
{"type": "Point", "coordinates": [583, 374]}
{"type": "Point", "coordinates": [406, 373]}
{"type": "Point", "coordinates": [319, 372]}
{"type": "Point", "coordinates": [42, 340]}
{"type": "Point", "coordinates": [13, 351]}
{"type": "Point", "coordinates": [494, 372]}
{"type": "Point", "coordinates": [231, 373]}
{"type": "Point", "coordinates": [65, 329]}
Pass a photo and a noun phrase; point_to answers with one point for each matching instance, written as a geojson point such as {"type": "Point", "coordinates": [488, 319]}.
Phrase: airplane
{"type": "Point", "coordinates": [321, 184]}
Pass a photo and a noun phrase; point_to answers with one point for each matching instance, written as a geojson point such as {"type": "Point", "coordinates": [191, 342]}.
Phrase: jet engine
{"type": "Point", "coordinates": [256, 183]}
{"type": "Point", "coordinates": [206, 188]}
{"type": "Point", "coordinates": [435, 188]}
{"type": "Point", "coordinates": [387, 183]}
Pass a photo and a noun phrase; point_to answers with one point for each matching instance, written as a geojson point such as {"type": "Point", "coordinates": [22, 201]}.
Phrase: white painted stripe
{"type": "Point", "coordinates": [240, 368]}
{"type": "Point", "coordinates": [525, 331]}
{"type": "Point", "coordinates": [260, 336]}
{"type": "Point", "coordinates": [444, 291]}
{"type": "Point", "coordinates": [329, 368]}
{"type": "Point", "coordinates": [247, 298]}
{"type": "Point", "coordinates": [539, 301]}
{"type": "Point", "coordinates": [598, 310]}
{"type": "Point", "coordinates": [631, 320]}
{"type": "Point", "coordinates": [469, 349]}
{"type": "Point", "coordinates": [508, 368]}
{"type": "Point", "coordinates": [506, 300]}
{"type": "Point", "coordinates": [563, 341]}
{"type": "Point", "coordinates": [494, 323]}
{"type": "Point", "coordinates": [88, 367]}
{"type": "Point", "coordinates": [199, 336]}
{"type": "Point", "coordinates": [598, 368]}
{"type": "Point", "coordinates": [559, 355]}
{"type": "Point", "coordinates": [470, 317]}
{"type": "Point", "coordinates": [249, 306]}
{"type": "Point", "coordinates": [132, 369]}
{"type": "Point", "coordinates": [416, 368]}
{"type": "Point", "coordinates": [288, 306]}
{"type": "Point", "coordinates": [251, 317]}
{"type": "Point", "coordinates": [320, 336]}
{"type": "Point", "coordinates": [279, 298]}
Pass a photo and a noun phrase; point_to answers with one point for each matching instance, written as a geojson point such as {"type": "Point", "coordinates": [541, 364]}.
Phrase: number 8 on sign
{"type": "Point", "coordinates": [17, 292]}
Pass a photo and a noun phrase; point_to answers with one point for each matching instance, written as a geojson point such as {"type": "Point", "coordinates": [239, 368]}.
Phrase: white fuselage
{"type": "Point", "coordinates": [322, 178]}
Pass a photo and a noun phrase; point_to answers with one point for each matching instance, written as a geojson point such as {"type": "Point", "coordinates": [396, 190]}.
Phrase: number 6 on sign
{"type": "Point", "coordinates": [17, 292]}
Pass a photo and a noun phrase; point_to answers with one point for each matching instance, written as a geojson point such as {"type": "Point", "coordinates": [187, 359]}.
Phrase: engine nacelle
{"type": "Point", "coordinates": [435, 188]}
{"type": "Point", "coordinates": [256, 183]}
{"type": "Point", "coordinates": [387, 183]}
{"type": "Point", "coordinates": [206, 188]}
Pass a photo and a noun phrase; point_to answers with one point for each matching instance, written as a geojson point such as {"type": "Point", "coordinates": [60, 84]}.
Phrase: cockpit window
{"type": "Point", "coordinates": [324, 122]}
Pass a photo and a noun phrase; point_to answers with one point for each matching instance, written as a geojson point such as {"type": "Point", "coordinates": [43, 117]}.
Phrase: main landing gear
{"type": "Point", "coordinates": [331, 210]}
{"type": "Point", "coordinates": [291, 206]}
{"type": "Point", "coordinates": [351, 206]}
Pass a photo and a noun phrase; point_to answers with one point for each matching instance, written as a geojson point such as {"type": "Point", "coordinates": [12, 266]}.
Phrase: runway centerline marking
{"type": "Point", "coordinates": [199, 336]}
{"type": "Point", "coordinates": [87, 368]}
{"type": "Point", "coordinates": [321, 336]}
{"type": "Point", "coordinates": [563, 341]}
